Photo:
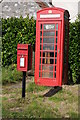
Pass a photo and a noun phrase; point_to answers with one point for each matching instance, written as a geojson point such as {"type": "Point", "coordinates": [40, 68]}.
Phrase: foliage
{"type": "Point", "coordinates": [10, 74]}
{"type": "Point", "coordinates": [14, 31]}
{"type": "Point", "coordinates": [74, 50]}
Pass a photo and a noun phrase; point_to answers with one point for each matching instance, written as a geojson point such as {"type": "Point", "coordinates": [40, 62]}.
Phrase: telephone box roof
{"type": "Point", "coordinates": [54, 8]}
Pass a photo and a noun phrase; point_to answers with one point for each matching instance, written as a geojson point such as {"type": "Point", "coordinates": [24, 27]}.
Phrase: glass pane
{"type": "Point", "coordinates": [48, 46]}
{"type": "Point", "coordinates": [55, 54]}
{"type": "Point", "coordinates": [41, 26]}
{"type": "Point", "coordinates": [41, 33]}
{"type": "Point", "coordinates": [51, 74]}
{"type": "Point", "coordinates": [51, 61]}
{"type": "Point", "coordinates": [39, 67]}
{"type": "Point", "coordinates": [56, 47]}
{"type": "Point", "coordinates": [48, 40]}
{"type": "Point", "coordinates": [47, 60]}
{"type": "Point", "coordinates": [47, 54]}
{"type": "Point", "coordinates": [43, 54]}
{"type": "Point", "coordinates": [39, 74]}
{"type": "Point", "coordinates": [40, 40]}
{"type": "Point", "coordinates": [51, 54]}
{"type": "Point", "coordinates": [40, 47]}
{"type": "Point", "coordinates": [55, 68]}
{"type": "Point", "coordinates": [40, 60]}
{"type": "Point", "coordinates": [56, 26]}
{"type": "Point", "coordinates": [56, 40]}
{"type": "Point", "coordinates": [55, 74]}
{"type": "Point", "coordinates": [48, 33]}
{"type": "Point", "coordinates": [47, 74]}
{"type": "Point", "coordinates": [49, 26]}
{"type": "Point", "coordinates": [40, 54]}
{"type": "Point", "coordinates": [56, 33]}
{"type": "Point", "coordinates": [47, 67]}
{"type": "Point", "coordinates": [55, 61]}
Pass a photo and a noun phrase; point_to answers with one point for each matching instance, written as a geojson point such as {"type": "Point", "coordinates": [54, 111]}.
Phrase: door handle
{"type": "Point", "coordinates": [58, 51]}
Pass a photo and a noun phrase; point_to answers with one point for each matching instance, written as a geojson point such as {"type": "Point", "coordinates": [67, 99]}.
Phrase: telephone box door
{"type": "Point", "coordinates": [49, 53]}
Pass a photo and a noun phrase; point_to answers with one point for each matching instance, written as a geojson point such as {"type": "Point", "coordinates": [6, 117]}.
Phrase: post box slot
{"type": "Point", "coordinates": [22, 54]}
{"type": "Point", "coordinates": [21, 48]}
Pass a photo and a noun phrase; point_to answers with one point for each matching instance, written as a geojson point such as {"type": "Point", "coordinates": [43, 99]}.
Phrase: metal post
{"type": "Point", "coordinates": [23, 84]}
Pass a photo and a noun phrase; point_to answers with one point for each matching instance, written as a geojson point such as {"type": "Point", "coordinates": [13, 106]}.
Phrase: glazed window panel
{"type": "Point", "coordinates": [48, 50]}
{"type": "Point", "coordinates": [47, 74]}
{"type": "Point", "coordinates": [56, 26]}
{"type": "Point", "coordinates": [47, 61]}
{"type": "Point", "coordinates": [47, 54]}
{"type": "Point", "coordinates": [41, 27]}
{"type": "Point", "coordinates": [55, 75]}
{"type": "Point", "coordinates": [55, 61]}
{"type": "Point", "coordinates": [55, 54]}
{"type": "Point", "coordinates": [49, 26]}
{"type": "Point", "coordinates": [55, 68]}
{"type": "Point", "coordinates": [49, 33]}
{"type": "Point", "coordinates": [48, 46]}
{"type": "Point", "coordinates": [40, 47]}
{"type": "Point", "coordinates": [47, 67]}
{"type": "Point", "coordinates": [56, 39]}
{"type": "Point", "coordinates": [41, 33]}
{"type": "Point", "coordinates": [48, 40]}
{"type": "Point", "coordinates": [56, 33]}
{"type": "Point", "coordinates": [55, 47]}
{"type": "Point", "coordinates": [40, 40]}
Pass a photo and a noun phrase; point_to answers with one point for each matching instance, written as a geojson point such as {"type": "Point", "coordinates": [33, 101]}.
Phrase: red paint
{"type": "Point", "coordinates": [24, 51]}
{"type": "Point", "coordinates": [48, 72]}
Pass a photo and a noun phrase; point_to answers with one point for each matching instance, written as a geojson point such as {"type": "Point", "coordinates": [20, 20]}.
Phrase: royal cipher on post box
{"type": "Point", "coordinates": [24, 57]}
{"type": "Point", "coordinates": [52, 43]}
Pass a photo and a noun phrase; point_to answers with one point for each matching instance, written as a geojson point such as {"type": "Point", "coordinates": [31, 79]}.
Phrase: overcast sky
{"type": "Point", "coordinates": [70, 5]}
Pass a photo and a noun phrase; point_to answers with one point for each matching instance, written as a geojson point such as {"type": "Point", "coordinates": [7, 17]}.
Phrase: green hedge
{"type": "Point", "coordinates": [14, 31]}
{"type": "Point", "coordinates": [74, 50]}
{"type": "Point", "coordinates": [19, 30]}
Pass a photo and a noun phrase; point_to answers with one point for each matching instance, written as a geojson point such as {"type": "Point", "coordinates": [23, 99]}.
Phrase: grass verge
{"type": "Point", "coordinates": [10, 74]}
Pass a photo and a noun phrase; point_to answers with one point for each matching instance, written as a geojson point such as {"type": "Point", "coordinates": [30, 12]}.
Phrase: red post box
{"type": "Point", "coordinates": [52, 42]}
{"type": "Point", "coordinates": [24, 57]}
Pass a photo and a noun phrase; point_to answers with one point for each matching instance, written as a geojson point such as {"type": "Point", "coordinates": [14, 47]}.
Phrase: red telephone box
{"type": "Point", "coordinates": [52, 41]}
{"type": "Point", "coordinates": [24, 57]}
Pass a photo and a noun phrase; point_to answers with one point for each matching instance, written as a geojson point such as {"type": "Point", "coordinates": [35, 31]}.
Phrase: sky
{"type": "Point", "coordinates": [70, 5]}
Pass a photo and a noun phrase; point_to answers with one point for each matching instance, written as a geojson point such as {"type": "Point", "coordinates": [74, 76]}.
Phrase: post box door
{"type": "Point", "coordinates": [49, 53]}
{"type": "Point", "coordinates": [22, 57]}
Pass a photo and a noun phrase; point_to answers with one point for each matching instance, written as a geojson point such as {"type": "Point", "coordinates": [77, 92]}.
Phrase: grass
{"type": "Point", "coordinates": [35, 105]}
{"type": "Point", "coordinates": [35, 88]}
{"type": "Point", "coordinates": [28, 108]}
{"type": "Point", "coordinates": [73, 114]}
{"type": "Point", "coordinates": [56, 99]}
{"type": "Point", "coordinates": [10, 74]}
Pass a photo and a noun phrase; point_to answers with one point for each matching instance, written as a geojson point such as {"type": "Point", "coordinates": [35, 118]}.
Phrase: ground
{"type": "Point", "coordinates": [40, 102]}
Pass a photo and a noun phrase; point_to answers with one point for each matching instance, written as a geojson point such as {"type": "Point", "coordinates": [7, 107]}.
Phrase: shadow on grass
{"type": "Point", "coordinates": [52, 91]}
